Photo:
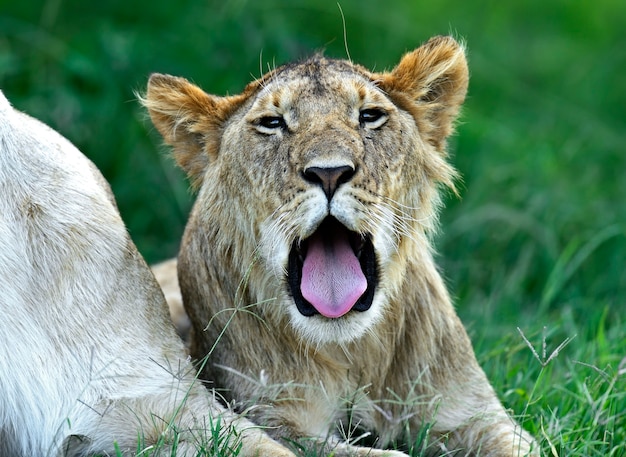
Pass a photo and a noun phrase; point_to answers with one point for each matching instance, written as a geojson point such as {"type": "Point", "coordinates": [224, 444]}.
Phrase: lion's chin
{"type": "Point", "coordinates": [317, 331]}
{"type": "Point", "coordinates": [333, 273]}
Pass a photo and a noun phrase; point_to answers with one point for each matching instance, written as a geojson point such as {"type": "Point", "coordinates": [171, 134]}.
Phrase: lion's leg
{"type": "Point", "coordinates": [166, 425]}
{"type": "Point", "coordinates": [477, 424]}
{"type": "Point", "coordinates": [309, 444]}
{"type": "Point", "coordinates": [308, 424]}
{"type": "Point", "coordinates": [343, 449]}
{"type": "Point", "coordinates": [468, 417]}
{"type": "Point", "coordinates": [448, 388]}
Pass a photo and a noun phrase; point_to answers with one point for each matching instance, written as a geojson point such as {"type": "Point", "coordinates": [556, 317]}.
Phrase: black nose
{"type": "Point", "coordinates": [330, 178]}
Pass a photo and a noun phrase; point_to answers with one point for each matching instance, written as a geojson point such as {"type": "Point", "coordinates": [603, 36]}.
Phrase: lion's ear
{"type": "Point", "coordinates": [189, 119]}
{"type": "Point", "coordinates": [431, 83]}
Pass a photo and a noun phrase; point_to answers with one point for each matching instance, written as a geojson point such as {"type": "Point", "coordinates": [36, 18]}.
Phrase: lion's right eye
{"type": "Point", "coordinates": [372, 117]}
{"type": "Point", "coordinates": [269, 123]}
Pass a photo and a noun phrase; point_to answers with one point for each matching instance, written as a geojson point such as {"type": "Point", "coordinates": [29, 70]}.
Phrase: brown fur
{"type": "Point", "coordinates": [404, 362]}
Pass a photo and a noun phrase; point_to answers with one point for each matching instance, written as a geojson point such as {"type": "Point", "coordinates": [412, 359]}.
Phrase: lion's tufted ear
{"type": "Point", "coordinates": [430, 83]}
{"type": "Point", "coordinates": [189, 119]}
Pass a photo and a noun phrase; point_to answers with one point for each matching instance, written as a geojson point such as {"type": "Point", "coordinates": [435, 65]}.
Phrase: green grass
{"type": "Point", "coordinates": [537, 240]}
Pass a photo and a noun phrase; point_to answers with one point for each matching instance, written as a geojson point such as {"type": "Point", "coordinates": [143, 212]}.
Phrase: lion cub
{"type": "Point", "coordinates": [306, 267]}
{"type": "Point", "coordinates": [89, 361]}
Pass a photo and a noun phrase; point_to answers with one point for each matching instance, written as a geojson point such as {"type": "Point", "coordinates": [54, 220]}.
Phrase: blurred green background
{"type": "Point", "coordinates": [541, 145]}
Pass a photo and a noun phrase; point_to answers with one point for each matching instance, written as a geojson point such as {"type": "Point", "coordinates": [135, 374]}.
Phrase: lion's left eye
{"type": "Point", "coordinates": [372, 117]}
{"type": "Point", "coordinates": [272, 122]}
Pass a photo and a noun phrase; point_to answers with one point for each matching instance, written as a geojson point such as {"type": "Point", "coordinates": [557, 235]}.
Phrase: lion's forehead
{"type": "Point", "coordinates": [328, 86]}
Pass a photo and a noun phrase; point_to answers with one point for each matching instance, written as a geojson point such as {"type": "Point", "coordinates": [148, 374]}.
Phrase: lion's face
{"type": "Point", "coordinates": [335, 170]}
{"type": "Point", "coordinates": [325, 150]}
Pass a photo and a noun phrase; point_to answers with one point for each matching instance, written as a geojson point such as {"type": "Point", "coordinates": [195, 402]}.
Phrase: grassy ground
{"type": "Point", "coordinates": [535, 249]}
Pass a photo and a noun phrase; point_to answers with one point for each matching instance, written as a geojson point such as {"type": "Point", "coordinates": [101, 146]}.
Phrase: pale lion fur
{"type": "Point", "coordinates": [404, 363]}
{"type": "Point", "coordinates": [89, 361]}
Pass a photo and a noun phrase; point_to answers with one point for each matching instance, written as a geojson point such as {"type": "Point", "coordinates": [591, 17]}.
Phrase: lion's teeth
{"type": "Point", "coordinates": [358, 246]}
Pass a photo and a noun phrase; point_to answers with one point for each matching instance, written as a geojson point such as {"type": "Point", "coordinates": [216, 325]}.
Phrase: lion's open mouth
{"type": "Point", "coordinates": [333, 271]}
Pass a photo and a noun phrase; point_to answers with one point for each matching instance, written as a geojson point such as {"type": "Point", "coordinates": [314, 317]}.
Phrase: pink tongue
{"type": "Point", "coordinates": [332, 279]}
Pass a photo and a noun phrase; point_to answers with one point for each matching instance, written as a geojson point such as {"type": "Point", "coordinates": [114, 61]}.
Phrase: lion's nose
{"type": "Point", "coordinates": [329, 179]}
